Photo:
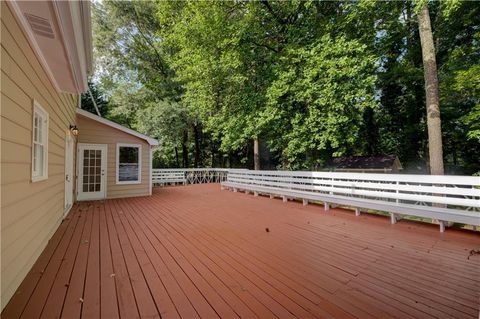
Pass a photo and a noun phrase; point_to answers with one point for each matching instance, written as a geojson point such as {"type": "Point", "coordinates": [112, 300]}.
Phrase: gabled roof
{"type": "Point", "coordinates": [102, 120]}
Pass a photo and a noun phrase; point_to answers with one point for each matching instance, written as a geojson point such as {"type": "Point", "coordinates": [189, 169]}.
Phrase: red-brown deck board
{"type": "Point", "coordinates": [196, 251]}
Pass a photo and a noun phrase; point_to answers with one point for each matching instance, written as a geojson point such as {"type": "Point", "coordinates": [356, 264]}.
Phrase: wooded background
{"type": "Point", "coordinates": [304, 81]}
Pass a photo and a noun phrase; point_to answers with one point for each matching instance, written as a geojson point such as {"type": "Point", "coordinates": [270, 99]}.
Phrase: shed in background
{"type": "Point", "coordinates": [367, 164]}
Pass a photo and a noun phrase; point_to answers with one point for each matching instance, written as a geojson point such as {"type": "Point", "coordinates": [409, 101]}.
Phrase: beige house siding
{"type": "Point", "coordinates": [94, 132]}
{"type": "Point", "coordinates": [30, 212]}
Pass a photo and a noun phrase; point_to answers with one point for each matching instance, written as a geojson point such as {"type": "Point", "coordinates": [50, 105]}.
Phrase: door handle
{"type": "Point", "coordinates": [67, 178]}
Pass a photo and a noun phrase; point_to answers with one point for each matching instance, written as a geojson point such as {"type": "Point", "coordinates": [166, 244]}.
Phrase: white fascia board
{"type": "Point", "coordinates": [119, 127]}
{"type": "Point", "coordinates": [73, 21]}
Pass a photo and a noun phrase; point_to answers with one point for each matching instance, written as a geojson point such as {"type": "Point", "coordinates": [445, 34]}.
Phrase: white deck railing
{"type": "Point", "coordinates": [454, 198]}
{"type": "Point", "coordinates": [189, 175]}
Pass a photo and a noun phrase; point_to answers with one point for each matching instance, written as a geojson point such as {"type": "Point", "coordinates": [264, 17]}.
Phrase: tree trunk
{"type": "Point", "coordinates": [176, 157]}
{"type": "Point", "coordinates": [196, 137]}
{"type": "Point", "coordinates": [185, 149]}
{"type": "Point", "coordinates": [431, 90]}
{"type": "Point", "coordinates": [256, 155]}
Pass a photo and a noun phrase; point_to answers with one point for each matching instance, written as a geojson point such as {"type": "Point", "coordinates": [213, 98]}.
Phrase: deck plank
{"type": "Point", "coordinates": [195, 251]}
{"type": "Point", "coordinates": [256, 275]}
{"type": "Point", "coordinates": [21, 298]}
{"type": "Point", "coordinates": [127, 304]}
{"type": "Point", "coordinates": [91, 295]}
{"type": "Point", "coordinates": [163, 303]}
{"type": "Point", "coordinates": [74, 299]}
{"type": "Point", "coordinates": [108, 293]}
{"type": "Point", "coordinates": [60, 266]}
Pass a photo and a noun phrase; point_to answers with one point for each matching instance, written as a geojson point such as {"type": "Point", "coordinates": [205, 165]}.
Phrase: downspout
{"type": "Point", "coordinates": [94, 103]}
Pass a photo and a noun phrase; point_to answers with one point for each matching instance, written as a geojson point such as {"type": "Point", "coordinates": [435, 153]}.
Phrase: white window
{"type": "Point", "coordinates": [129, 163]}
{"type": "Point", "coordinates": [40, 143]}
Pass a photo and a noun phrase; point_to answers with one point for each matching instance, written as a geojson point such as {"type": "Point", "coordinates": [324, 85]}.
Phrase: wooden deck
{"type": "Point", "coordinates": [195, 251]}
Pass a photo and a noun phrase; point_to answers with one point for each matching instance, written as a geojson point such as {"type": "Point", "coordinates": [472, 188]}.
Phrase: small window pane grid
{"type": "Point", "coordinates": [39, 152]}
{"type": "Point", "coordinates": [129, 164]}
{"type": "Point", "coordinates": [92, 171]}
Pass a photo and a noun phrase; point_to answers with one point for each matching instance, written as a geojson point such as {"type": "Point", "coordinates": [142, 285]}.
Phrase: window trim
{"type": "Point", "coordinates": [38, 109]}
{"type": "Point", "coordinates": [117, 166]}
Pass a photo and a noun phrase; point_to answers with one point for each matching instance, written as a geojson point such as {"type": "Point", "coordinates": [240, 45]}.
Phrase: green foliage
{"type": "Point", "coordinates": [318, 99]}
{"type": "Point", "coordinates": [310, 79]}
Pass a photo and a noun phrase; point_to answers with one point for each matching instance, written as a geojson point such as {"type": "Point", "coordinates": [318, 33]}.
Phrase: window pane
{"type": "Point", "coordinates": [128, 172]}
{"type": "Point", "coordinates": [40, 131]}
{"type": "Point", "coordinates": [35, 160]}
{"type": "Point", "coordinates": [38, 159]}
{"type": "Point", "coordinates": [35, 129]}
{"type": "Point", "coordinates": [128, 169]}
{"type": "Point", "coordinates": [129, 155]}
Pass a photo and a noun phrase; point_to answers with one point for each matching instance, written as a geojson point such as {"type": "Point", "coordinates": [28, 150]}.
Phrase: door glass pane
{"type": "Point", "coordinates": [92, 171]}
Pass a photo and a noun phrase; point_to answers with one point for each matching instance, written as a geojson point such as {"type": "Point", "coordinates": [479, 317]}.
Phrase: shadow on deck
{"type": "Point", "coordinates": [195, 251]}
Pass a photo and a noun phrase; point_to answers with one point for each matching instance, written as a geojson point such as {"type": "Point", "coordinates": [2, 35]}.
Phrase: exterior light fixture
{"type": "Point", "coordinates": [74, 130]}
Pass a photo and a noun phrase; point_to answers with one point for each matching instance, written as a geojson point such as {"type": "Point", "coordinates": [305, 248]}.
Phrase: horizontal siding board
{"type": "Point", "coordinates": [24, 264]}
{"type": "Point", "coordinates": [57, 125]}
{"type": "Point", "coordinates": [14, 239]}
{"type": "Point", "coordinates": [31, 212]}
{"type": "Point", "coordinates": [15, 206]}
{"type": "Point", "coordinates": [22, 135]}
{"type": "Point", "coordinates": [12, 111]}
{"type": "Point", "coordinates": [20, 172]}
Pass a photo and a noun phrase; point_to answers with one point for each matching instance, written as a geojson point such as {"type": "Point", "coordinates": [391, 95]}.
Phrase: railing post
{"type": "Point", "coordinates": [397, 200]}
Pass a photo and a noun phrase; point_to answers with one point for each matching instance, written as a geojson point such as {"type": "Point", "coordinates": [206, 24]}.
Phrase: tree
{"type": "Point", "coordinates": [435, 148]}
{"type": "Point", "coordinates": [87, 103]}
{"type": "Point", "coordinates": [306, 80]}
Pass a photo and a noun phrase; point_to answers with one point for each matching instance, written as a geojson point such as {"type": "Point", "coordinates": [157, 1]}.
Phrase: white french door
{"type": "Point", "coordinates": [92, 171]}
{"type": "Point", "coordinates": [69, 173]}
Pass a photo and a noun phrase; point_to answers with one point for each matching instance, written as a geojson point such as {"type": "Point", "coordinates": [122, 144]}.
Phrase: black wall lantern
{"type": "Point", "coordinates": [74, 130]}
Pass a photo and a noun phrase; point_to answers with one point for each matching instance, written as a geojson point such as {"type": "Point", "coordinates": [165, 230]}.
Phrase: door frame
{"type": "Point", "coordinates": [69, 157]}
{"type": "Point", "coordinates": [103, 181]}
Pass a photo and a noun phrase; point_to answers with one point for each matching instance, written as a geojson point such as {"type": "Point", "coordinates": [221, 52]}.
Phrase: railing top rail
{"type": "Point", "coordinates": [190, 169]}
{"type": "Point", "coordinates": [403, 178]}
{"type": "Point", "coordinates": [473, 181]}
